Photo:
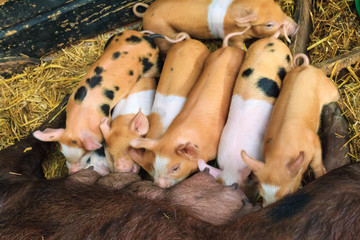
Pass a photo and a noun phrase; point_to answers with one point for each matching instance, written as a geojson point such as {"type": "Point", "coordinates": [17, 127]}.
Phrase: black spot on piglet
{"type": "Point", "coordinates": [94, 81]}
{"type": "Point", "coordinates": [105, 108]}
{"type": "Point", "coordinates": [270, 44]}
{"type": "Point", "coordinates": [146, 64]}
{"type": "Point", "coordinates": [80, 94]}
{"type": "Point", "coordinates": [115, 55]}
{"type": "Point", "coordinates": [269, 87]}
{"type": "Point", "coordinates": [109, 94]}
{"type": "Point", "coordinates": [100, 151]}
{"type": "Point", "coordinates": [247, 72]}
{"type": "Point", "coordinates": [98, 70]}
{"type": "Point", "coordinates": [281, 73]}
{"type": "Point", "coordinates": [133, 39]}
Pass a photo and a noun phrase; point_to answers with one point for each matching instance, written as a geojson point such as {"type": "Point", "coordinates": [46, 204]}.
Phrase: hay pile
{"type": "Point", "coordinates": [27, 98]}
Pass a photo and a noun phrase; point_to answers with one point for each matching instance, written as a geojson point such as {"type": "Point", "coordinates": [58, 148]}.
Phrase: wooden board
{"type": "Point", "coordinates": [59, 24]}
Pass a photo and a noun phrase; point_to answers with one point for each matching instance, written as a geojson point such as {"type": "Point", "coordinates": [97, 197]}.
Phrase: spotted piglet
{"type": "Point", "coordinates": [128, 56]}
{"type": "Point", "coordinates": [291, 142]}
{"type": "Point", "coordinates": [182, 68]}
{"type": "Point", "coordinates": [257, 87]}
{"type": "Point", "coordinates": [98, 161]}
{"type": "Point", "coordinates": [196, 131]}
{"type": "Point", "coordinates": [129, 121]}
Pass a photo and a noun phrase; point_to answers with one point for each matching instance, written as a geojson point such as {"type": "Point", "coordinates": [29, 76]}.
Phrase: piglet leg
{"type": "Point", "coordinates": [216, 173]}
{"type": "Point", "coordinates": [124, 165]}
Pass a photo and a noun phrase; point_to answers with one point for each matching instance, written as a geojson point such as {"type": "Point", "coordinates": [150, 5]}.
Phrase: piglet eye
{"type": "Point", "coordinates": [88, 161]}
{"type": "Point", "coordinates": [175, 168]}
{"type": "Point", "coordinates": [269, 25]}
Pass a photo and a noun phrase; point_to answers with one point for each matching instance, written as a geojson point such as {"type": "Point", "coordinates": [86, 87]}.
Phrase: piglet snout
{"type": "Point", "coordinates": [291, 27]}
{"type": "Point", "coordinates": [164, 182]}
{"type": "Point", "coordinates": [73, 170]}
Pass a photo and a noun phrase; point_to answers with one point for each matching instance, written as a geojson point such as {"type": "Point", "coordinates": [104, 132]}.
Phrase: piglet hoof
{"type": "Point", "coordinates": [206, 170]}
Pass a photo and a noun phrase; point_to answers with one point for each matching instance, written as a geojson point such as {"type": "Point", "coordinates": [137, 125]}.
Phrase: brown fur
{"type": "Point", "coordinates": [334, 134]}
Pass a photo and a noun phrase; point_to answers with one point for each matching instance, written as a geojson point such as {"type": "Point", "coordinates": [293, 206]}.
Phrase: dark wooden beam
{"type": "Point", "coordinates": [342, 61]}
{"type": "Point", "coordinates": [11, 65]}
{"type": "Point", "coordinates": [62, 25]}
{"type": "Point", "coordinates": [302, 17]}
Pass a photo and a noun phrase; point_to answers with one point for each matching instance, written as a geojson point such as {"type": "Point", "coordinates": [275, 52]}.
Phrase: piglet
{"type": "Point", "coordinates": [209, 19]}
{"type": "Point", "coordinates": [257, 87]}
{"type": "Point", "coordinates": [129, 121]}
{"type": "Point", "coordinates": [98, 161]}
{"type": "Point", "coordinates": [182, 68]}
{"type": "Point", "coordinates": [195, 132]}
{"type": "Point", "coordinates": [291, 142]}
{"type": "Point", "coordinates": [128, 56]}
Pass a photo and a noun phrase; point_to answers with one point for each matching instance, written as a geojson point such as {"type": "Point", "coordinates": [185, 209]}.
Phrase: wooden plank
{"type": "Point", "coordinates": [342, 61]}
{"type": "Point", "coordinates": [15, 11]}
{"type": "Point", "coordinates": [65, 25]}
{"type": "Point", "coordinates": [11, 65]}
{"type": "Point", "coordinates": [302, 17]}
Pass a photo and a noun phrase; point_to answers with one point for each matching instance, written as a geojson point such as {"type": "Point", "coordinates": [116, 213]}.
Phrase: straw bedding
{"type": "Point", "coordinates": [28, 97]}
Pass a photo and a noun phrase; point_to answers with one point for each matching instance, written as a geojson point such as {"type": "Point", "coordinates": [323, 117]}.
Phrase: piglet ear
{"type": "Point", "coordinates": [252, 163]}
{"type": "Point", "coordinates": [187, 150]}
{"type": "Point", "coordinates": [246, 20]}
{"type": "Point", "coordinates": [105, 126]}
{"type": "Point", "coordinates": [295, 166]}
{"type": "Point", "coordinates": [89, 141]}
{"type": "Point", "coordinates": [146, 143]}
{"type": "Point", "coordinates": [139, 124]}
{"type": "Point", "coordinates": [49, 134]}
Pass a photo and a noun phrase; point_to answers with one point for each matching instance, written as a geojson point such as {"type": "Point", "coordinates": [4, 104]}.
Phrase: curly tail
{"type": "Point", "coordinates": [305, 60]}
{"type": "Point", "coordinates": [138, 14]}
{"type": "Point", "coordinates": [230, 35]}
{"type": "Point", "coordinates": [179, 37]}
